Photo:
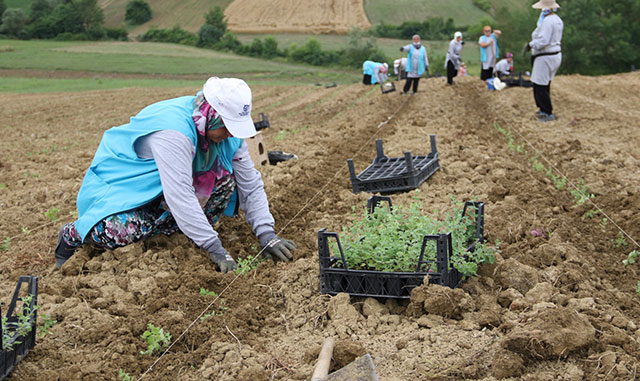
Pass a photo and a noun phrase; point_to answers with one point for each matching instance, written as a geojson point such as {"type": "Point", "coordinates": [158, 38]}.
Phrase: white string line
{"type": "Point", "coordinates": [260, 252]}
{"type": "Point", "coordinates": [575, 187]}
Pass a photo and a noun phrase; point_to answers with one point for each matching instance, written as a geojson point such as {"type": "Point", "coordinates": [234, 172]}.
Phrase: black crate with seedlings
{"type": "Point", "coordinates": [388, 175]}
{"type": "Point", "coordinates": [18, 329]}
{"type": "Point", "coordinates": [393, 269]}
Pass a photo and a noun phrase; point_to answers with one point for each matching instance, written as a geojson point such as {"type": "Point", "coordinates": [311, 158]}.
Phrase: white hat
{"type": "Point", "coordinates": [231, 98]}
{"type": "Point", "coordinates": [386, 65]}
{"type": "Point", "coordinates": [457, 34]}
{"type": "Point", "coordinates": [545, 4]}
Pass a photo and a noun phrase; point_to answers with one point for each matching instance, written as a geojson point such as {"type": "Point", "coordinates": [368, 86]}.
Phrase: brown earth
{"type": "Point", "coordinates": [296, 16]}
{"type": "Point", "coordinates": [558, 308]}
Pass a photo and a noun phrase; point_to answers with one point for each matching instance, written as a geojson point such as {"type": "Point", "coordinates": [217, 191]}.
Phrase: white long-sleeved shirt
{"type": "Point", "coordinates": [173, 153]}
{"type": "Point", "coordinates": [453, 54]}
{"type": "Point", "coordinates": [503, 67]}
{"type": "Point", "coordinates": [547, 37]}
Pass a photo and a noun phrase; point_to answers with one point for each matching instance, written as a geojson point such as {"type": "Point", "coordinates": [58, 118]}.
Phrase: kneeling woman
{"type": "Point", "coordinates": [178, 164]}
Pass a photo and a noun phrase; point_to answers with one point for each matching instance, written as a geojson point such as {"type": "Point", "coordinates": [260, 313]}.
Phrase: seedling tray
{"type": "Point", "coordinates": [389, 175]}
{"type": "Point", "coordinates": [387, 89]}
{"type": "Point", "coordinates": [20, 344]}
{"type": "Point", "coordinates": [337, 277]}
{"type": "Point", "coordinates": [520, 81]}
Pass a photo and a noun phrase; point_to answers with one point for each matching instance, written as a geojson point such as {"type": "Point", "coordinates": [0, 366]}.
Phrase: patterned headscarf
{"type": "Point", "coordinates": [210, 163]}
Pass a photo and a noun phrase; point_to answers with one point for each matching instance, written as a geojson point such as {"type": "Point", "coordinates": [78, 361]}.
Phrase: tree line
{"type": "Point", "coordinates": [600, 36]}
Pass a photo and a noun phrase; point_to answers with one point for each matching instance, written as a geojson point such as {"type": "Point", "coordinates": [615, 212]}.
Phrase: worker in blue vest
{"type": "Point", "coordinates": [178, 165]}
{"type": "Point", "coordinates": [417, 63]}
{"type": "Point", "coordinates": [374, 72]}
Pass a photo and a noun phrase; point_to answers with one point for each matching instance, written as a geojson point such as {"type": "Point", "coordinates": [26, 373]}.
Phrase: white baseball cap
{"type": "Point", "coordinates": [231, 98]}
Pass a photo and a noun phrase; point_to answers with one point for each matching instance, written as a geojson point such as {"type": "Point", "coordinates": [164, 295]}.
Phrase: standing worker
{"type": "Point", "coordinates": [546, 56]}
{"type": "Point", "coordinates": [374, 72]}
{"type": "Point", "coordinates": [178, 165]}
{"type": "Point", "coordinates": [489, 51]}
{"type": "Point", "coordinates": [417, 63]}
{"type": "Point", "coordinates": [453, 60]}
{"type": "Point", "coordinates": [504, 67]}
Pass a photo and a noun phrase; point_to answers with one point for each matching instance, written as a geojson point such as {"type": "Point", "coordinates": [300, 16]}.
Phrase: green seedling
{"type": "Point", "coordinates": [21, 327]}
{"type": "Point", "coordinates": [4, 246]}
{"type": "Point", "coordinates": [247, 264]}
{"type": "Point", "coordinates": [620, 241]}
{"type": "Point", "coordinates": [156, 339]}
{"type": "Point", "coordinates": [52, 214]}
{"type": "Point", "coordinates": [581, 194]}
{"type": "Point", "coordinates": [47, 324]}
{"type": "Point", "coordinates": [124, 376]}
{"type": "Point", "coordinates": [3, 186]}
{"type": "Point", "coordinates": [25, 230]}
{"type": "Point", "coordinates": [631, 258]}
{"type": "Point", "coordinates": [391, 240]}
{"type": "Point", "coordinates": [590, 213]}
{"type": "Point", "coordinates": [205, 292]}
{"type": "Point", "coordinates": [604, 222]}
{"type": "Point", "coordinates": [638, 288]}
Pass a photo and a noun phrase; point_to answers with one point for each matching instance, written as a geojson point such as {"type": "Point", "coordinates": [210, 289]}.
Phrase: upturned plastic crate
{"type": "Point", "coordinates": [388, 175]}
{"type": "Point", "coordinates": [20, 344]}
{"type": "Point", "coordinates": [520, 81]}
{"type": "Point", "coordinates": [262, 123]}
{"type": "Point", "coordinates": [337, 277]}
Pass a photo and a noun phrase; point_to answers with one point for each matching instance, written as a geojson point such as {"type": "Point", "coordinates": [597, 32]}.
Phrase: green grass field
{"type": "Point", "coordinates": [171, 64]}
{"type": "Point", "coordinates": [463, 12]}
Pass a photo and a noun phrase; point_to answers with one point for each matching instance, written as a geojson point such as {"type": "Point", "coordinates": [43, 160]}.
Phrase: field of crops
{"type": "Point", "coordinates": [557, 303]}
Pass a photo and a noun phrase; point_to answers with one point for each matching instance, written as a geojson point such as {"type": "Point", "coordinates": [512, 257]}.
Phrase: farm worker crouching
{"type": "Point", "coordinates": [400, 68]}
{"type": "Point", "coordinates": [546, 56]}
{"type": "Point", "coordinates": [179, 164]}
{"type": "Point", "coordinates": [504, 67]}
{"type": "Point", "coordinates": [374, 72]}
{"type": "Point", "coordinates": [417, 63]}
{"type": "Point", "coordinates": [453, 60]}
{"type": "Point", "coordinates": [489, 51]}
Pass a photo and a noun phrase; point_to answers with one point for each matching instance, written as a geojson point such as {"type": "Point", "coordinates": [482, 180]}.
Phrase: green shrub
{"type": "Point", "coordinates": [175, 35]}
{"type": "Point", "coordinates": [137, 12]}
{"type": "Point", "coordinates": [485, 5]}
{"type": "Point", "coordinates": [119, 34]}
{"type": "Point", "coordinates": [13, 22]}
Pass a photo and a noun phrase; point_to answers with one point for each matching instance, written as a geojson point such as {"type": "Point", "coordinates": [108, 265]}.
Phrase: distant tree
{"type": "Point", "coordinates": [208, 36]}
{"type": "Point", "coordinates": [90, 13]}
{"type": "Point", "coordinates": [137, 12]}
{"type": "Point", "coordinates": [215, 17]}
{"type": "Point", "coordinates": [256, 48]}
{"type": "Point", "coordinates": [270, 47]}
{"type": "Point", "coordinates": [13, 23]}
{"type": "Point", "coordinates": [3, 8]}
{"type": "Point", "coordinates": [229, 42]}
{"type": "Point", "coordinates": [40, 9]}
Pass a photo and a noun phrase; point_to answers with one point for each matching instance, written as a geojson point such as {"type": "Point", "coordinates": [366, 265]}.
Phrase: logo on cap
{"type": "Point", "coordinates": [245, 111]}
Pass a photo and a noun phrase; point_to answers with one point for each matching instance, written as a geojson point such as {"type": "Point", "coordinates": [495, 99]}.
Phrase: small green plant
{"type": "Point", "coordinates": [620, 241]}
{"type": "Point", "coordinates": [22, 326]}
{"type": "Point", "coordinates": [124, 376]}
{"type": "Point", "coordinates": [52, 214]}
{"type": "Point", "coordinates": [590, 213]}
{"type": "Point", "coordinates": [3, 186]}
{"type": "Point", "coordinates": [631, 258]}
{"type": "Point", "coordinates": [638, 288]}
{"type": "Point", "coordinates": [25, 230]}
{"type": "Point", "coordinates": [247, 264]}
{"type": "Point", "coordinates": [391, 240]}
{"type": "Point", "coordinates": [559, 182]}
{"type": "Point", "coordinates": [205, 292]}
{"type": "Point", "coordinates": [604, 222]}
{"type": "Point", "coordinates": [581, 194]}
{"type": "Point", "coordinates": [156, 339]}
{"type": "Point", "coordinates": [4, 246]}
{"type": "Point", "coordinates": [47, 324]}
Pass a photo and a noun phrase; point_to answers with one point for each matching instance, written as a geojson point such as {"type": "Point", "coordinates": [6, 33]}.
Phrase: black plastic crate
{"type": "Point", "coordinates": [21, 344]}
{"type": "Point", "coordinates": [262, 123]}
{"type": "Point", "coordinates": [389, 175]}
{"type": "Point", "coordinates": [520, 81]}
{"type": "Point", "coordinates": [336, 277]}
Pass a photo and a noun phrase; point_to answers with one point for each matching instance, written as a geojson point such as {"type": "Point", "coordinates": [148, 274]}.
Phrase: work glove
{"type": "Point", "coordinates": [527, 47]}
{"type": "Point", "coordinates": [221, 258]}
{"type": "Point", "coordinates": [276, 248]}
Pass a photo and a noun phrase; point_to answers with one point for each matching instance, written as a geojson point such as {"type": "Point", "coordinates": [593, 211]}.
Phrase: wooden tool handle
{"type": "Point", "coordinates": [324, 360]}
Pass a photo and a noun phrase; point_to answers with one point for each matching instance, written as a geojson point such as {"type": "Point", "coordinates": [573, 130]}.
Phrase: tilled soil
{"type": "Point", "coordinates": [556, 307]}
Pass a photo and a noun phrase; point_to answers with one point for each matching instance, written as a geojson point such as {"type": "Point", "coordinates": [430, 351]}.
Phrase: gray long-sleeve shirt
{"type": "Point", "coordinates": [453, 54]}
{"type": "Point", "coordinates": [173, 153]}
{"type": "Point", "coordinates": [547, 37]}
{"type": "Point", "coordinates": [503, 67]}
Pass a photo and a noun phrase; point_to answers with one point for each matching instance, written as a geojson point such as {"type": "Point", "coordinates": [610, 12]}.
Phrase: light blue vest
{"type": "Point", "coordinates": [422, 52]}
{"type": "Point", "coordinates": [118, 180]}
{"type": "Point", "coordinates": [483, 51]}
{"type": "Point", "coordinates": [368, 67]}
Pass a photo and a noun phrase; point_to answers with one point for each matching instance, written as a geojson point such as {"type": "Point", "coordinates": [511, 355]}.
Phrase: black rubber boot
{"type": "Point", "coordinates": [63, 251]}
